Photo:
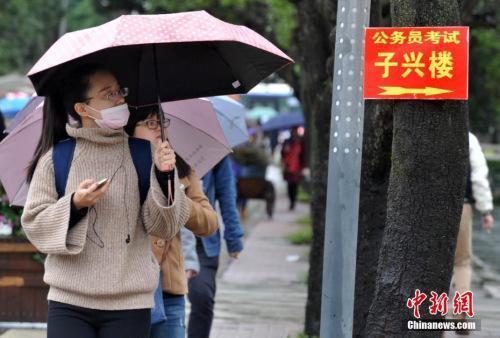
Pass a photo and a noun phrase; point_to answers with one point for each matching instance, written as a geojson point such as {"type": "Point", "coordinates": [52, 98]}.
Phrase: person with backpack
{"type": "Point", "coordinates": [99, 266]}
{"type": "Point", "coordinates": [145, 124]}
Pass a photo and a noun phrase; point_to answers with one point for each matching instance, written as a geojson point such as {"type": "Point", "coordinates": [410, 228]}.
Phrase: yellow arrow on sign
{"type": "Point", "coordinates": [427, 91]}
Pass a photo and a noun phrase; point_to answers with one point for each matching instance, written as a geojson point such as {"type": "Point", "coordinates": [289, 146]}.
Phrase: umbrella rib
{"type": "Point", "coordinates": [232, 123]}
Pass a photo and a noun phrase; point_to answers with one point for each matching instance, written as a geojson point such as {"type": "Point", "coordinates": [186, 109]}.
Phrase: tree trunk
{"type": "Point", "coordinates": [315, 45]}
{"type": "Point", "coordinates": [375, 169]}
{"type": "Point", "coordinates": [426, 189]}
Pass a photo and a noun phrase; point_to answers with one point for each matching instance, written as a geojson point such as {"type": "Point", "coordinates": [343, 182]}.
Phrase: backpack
{"type": "Point", "coordinates": [140, 150]}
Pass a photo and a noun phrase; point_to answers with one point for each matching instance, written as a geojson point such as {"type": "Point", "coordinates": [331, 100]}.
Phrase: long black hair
{"type": "Point", "coordinates": [57, 105]}
{"type": "Point", "coordinates": [141, 114]}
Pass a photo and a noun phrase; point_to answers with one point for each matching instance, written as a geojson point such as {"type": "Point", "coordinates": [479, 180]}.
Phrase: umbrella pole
{"type": "Point", "coordinates": [157, 86]}
{"type": "Point", "coordinates": [170, 179]}
{"type": "Point", "coordinates": [162, 119]}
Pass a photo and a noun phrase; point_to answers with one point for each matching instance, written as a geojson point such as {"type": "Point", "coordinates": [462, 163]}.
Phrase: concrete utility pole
{"type": "Point", "coordinates": [344, 171]}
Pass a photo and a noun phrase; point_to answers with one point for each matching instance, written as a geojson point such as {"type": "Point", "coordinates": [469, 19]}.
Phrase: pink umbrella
{"type": "Point", "coordinates": [165, 57]}
{"type": "Point", "coordinates": [16, 151]}
{"type": "Point", "coordinates": [194, 132]}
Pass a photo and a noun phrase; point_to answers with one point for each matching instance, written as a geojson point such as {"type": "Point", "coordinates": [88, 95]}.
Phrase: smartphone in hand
{"type": "Point", "coordinates": [101, 183]}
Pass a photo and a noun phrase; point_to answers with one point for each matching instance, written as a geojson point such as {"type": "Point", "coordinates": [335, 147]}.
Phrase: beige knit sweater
{"type": "Point", "coordinates": [91, 265]}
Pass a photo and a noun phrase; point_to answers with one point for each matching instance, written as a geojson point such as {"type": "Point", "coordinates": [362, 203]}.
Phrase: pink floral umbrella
{"type": "Point", "coordinates": [165, 57]}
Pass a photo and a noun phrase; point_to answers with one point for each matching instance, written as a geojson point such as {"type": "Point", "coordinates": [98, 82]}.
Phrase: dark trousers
{"type": "Point", "coordinates": [202, 295]}
{"type": "Point", "coordinates": [292, 193]}
{"type": "Point", "coordinates": [76, 322]}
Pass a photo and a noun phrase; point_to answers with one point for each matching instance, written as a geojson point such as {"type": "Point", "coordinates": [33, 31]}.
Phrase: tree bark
{"type": "Point", "coordinates": [375, 169]}
{"type": "Point", "coordinates": [425, 196]}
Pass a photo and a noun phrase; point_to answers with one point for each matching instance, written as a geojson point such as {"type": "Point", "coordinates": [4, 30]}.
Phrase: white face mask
{"type": "Point", "coordinates": [112, 118]}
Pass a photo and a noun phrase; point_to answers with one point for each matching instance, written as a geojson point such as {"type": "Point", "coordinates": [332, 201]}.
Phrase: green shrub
{"type": "Point", "coordinates": [302, 236]}
{"type": "Point", "coordinates": [303, 196]}
{"type": "Point", "coordinates": [306, 220]}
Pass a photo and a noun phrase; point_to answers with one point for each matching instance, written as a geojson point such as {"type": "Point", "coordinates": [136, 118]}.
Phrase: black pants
{"type": "Point", "coordinates": [76, 322]}
{"type": "Point", "coordinates": [202, 295]}
{"type": "Point", "coordinates": [292, 193]}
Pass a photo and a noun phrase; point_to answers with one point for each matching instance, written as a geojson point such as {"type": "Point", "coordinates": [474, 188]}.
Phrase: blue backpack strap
{"type": "Point", "coordinates": [140, 150]}
{"type": "Point", "coordinates": [62, 156]}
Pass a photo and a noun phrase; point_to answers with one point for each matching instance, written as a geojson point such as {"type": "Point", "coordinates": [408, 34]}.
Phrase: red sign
{"type": "Point", "coordinates": [416, 63]}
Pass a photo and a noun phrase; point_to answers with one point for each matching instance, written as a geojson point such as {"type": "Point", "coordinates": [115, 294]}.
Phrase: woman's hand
{"type": "Point", "coordinates": [87, 194]}
{"type": "Point", "coordinates": [164, 157]}
{"type": "Point", "coordinates": [487, 222]}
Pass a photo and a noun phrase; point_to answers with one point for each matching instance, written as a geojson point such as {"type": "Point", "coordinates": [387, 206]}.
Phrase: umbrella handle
{"type": "Point", "coordinates": [162, 119]}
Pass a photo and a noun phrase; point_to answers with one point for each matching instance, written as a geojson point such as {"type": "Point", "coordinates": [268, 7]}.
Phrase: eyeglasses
{"type": "Point", "coordinates": [114, 95]}
{"type": "Point", "coordinates": [153, 124]}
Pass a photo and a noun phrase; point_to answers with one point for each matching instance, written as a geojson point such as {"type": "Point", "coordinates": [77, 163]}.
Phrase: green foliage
{"type": "Point", "coordinates": [303, 196]}
{"type": "Point", "coordinates": [494, 173]}
{"type": "Point", "coordinates": [282, 18]}
{"type": "Point", "coordinates": [274, 19]}
{"type": "Point", "coordinates": [485, 76]}
{"type": "Point", "coordinates": [306, 220]}
{"type": "Point", "coordinates": [303, 335]}
{"type": "Point", "coordinates": [302, 236]}
{"type": "Point", "coordinates": [82, 14]}
{"type": "Point", "coordinates": [28, 28]}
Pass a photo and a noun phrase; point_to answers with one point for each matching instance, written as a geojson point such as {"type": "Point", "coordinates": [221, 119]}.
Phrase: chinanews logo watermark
{"type": "Point", "coordinates": [463, 312]}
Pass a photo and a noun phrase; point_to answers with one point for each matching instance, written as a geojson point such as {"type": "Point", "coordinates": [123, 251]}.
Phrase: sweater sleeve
{"type": "Point", "coordinates": [203, 218]}
{"type": "Point", "coordinates": [46, 218]}
{"type": "Point", "coordinates": [160, 218]}
{"type": "Point", "coordinates": [479, 176]}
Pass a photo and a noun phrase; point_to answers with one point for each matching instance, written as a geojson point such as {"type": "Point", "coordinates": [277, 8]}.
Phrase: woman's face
{"type": "Point", "coordinates": [103, 92]}
{"type": "Point", "coordinates": [144, 129]}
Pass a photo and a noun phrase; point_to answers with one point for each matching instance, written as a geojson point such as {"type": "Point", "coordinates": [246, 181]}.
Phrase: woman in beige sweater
{"type": "Point", "coordinates": [99, 266]}
{"type": "Point", "coordinates": [202, 222]}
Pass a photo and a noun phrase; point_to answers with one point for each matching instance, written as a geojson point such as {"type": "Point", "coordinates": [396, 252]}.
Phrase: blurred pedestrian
{"type": "Point", "coordinates": [145, 124]}
{"type": "Point", "coordinates": [100, 268]}
{"type": "Point", "coordinates": [219, 186]}
{"type": "Point", "coordinates": [294, 161]}
{"type": "Point", "coordinates": [477, 194]}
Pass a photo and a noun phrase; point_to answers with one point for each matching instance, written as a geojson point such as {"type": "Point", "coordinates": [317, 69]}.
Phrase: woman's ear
{"type": "Point", "coordinates": [80, 109]}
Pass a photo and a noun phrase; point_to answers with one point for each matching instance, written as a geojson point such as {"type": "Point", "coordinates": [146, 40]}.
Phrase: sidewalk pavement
{"type": "Point", "coordinates": [486, 301]}
{"type": "Point", "coordinates": [263, 293]}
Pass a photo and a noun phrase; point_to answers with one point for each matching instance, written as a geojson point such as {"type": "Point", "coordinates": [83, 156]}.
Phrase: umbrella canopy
{"type": "Point", "coordinates": [194, 133]}
{"type": "Point", "coordinates": [282, 122]}
{"type": "Point", "coordinates": [231, 116]}
{"type": "Point", "coordinates": [170, 56]}
{"type": "Point", "coordinates": [16, 151]}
